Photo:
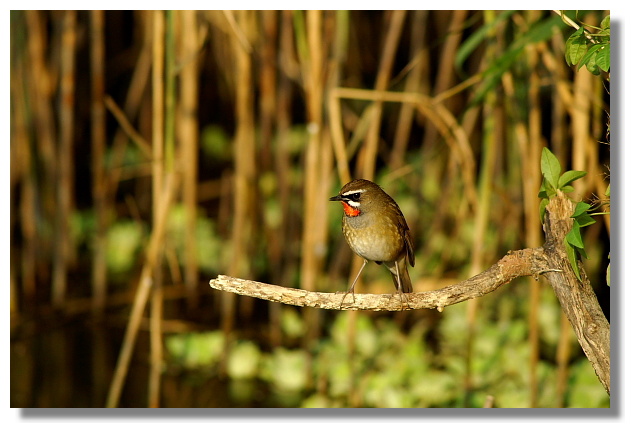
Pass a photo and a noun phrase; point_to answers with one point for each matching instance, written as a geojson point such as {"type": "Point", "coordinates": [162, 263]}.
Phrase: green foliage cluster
{"type": "Point", "coordinates": [382, 366]}
{"type": "Point", "coordinates": [125, 240]}
{"type": "Point", "coordinates": [552, 181]}
{"type": "Point", "coordinates": [593, 50]}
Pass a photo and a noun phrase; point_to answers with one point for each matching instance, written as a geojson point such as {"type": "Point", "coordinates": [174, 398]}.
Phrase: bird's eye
{"type": "Point", "coordinates": [355, 196]}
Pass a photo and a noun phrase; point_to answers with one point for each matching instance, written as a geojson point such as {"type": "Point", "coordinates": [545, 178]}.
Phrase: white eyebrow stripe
{"type": "Point", "coordinates": [357, 191]}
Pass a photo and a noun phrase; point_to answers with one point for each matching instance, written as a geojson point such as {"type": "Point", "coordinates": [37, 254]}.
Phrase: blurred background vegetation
{"type": "Point", "coordinates": [152, 151]}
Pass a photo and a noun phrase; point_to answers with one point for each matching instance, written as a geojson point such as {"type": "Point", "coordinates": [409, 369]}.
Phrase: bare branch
{"type": "Point", "coordinates": [514, 264]}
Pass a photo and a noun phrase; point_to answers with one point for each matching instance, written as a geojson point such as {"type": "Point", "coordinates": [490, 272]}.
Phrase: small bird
{"type": "Point", "coordinates": [376, 230]}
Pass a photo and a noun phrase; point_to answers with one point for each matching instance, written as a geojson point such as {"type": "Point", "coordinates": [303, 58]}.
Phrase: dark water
{"type": "Point", "coordinates": [70, 365]}
{"type": "Point", "coordinates": [60, 362]}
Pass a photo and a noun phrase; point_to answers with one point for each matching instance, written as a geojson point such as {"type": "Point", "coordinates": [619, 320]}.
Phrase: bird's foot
{"type": "Point", "coordinates": [403, 297]}
{"type": "Point", "coordinates": [346, 293]}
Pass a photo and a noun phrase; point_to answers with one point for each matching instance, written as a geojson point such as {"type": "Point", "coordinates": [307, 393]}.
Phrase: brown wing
{"type": "Point", "coordinates": [409, 246]}
{"type": "Point", "coordinates": [405, 230]}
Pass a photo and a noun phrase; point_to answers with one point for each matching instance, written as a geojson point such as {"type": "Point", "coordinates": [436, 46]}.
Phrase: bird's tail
{"type": "Point", "coordinates": [400, 268]}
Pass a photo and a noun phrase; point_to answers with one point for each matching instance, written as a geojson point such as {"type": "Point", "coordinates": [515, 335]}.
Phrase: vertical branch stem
{"type": "Point", "coordinates": [563, 355]}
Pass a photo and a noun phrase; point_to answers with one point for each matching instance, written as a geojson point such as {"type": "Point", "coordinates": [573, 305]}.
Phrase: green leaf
{"type": "Point", "coordinates": [608, 191]}
{"type": "Point", "coordinates": [575, 47]}
{"type": "Point", "coordinates": [608, 275]}
{"type": "Point", "coordinates": [548, 189]}
{"type": "Point", "coordinates": [550, 168]}
{"type": "Point", "coordinates": [590, 56]}
{"type": "Point", "coordinates": [574, 237]}
{"type": "Point", "coordinates": [606, 22]}
{"type": "Point", "coordinates": [585, 220]}
{"type": "Point", "coordinates": [580, 208]}
{"type": "Point", "coordinates": [592, 66]}
{"type": "Point", "coordinates": [543, 208]}
{"type": "Point", "coordinates": [603, 57]}
{"type": "Point", "coordinates": [570, 176]}
{"type": "Point", "coordinates": [567, 188]}
{"type": "Point", "coordinates": [573, 258]}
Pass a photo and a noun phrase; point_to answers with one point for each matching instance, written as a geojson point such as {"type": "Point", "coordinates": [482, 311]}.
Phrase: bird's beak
{"type": "Point", "coordinates": [336, 198]}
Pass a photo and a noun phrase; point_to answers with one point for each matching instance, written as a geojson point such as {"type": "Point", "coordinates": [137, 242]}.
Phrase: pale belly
{"type": "Point", "coordinates": [380, 247]}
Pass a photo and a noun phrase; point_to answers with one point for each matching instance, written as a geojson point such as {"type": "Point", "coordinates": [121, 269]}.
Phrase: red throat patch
{"type": "Point", "coordinates": [350, 210]}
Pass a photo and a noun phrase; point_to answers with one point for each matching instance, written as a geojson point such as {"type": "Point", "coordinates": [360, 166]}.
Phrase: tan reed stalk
{"type": "Point", "coordinates": [63, 253]}
{"type": "Point", "coordinates": [580, 127]}
{"type": "Point", "coordinates": [98, 148]}
{"type": "Point", "coordinates": [307, 40]}
{"type": "Point", "coordinates": [40, 88]}
{"type": "Point", "coordinates": [384, 72]}
{"type": "Point", "coordinates": [187, 130]}
{"type": "Point", "coordinates": [162, 101]}
{"type": "Point", "coordinates": [311, 54]}
{"type": "Point", "coordinates": [267, 84]}
{"type": "Point", "coordinates": [23, 174]}
{"type": "Point", "coordinates": [337, 135]}
{"type": "Point", "coordinates": [415, 82]}
{"type": "Point", "coordinates": [144, 286]}
{"type": "Point", "coordinates": [267, 27]}
{"type": "Point", "coordinates": [557, 69]}
{"type": "Point", "coordinates": [283, 125]}
{"type": "Point", "coordinates": [342, 29]}
{"type": "Point", "coordinates": [282, 160]}
{"type": "Point", "coordinates": [446, 76]}
{"type": "Point", "coordinates": [245, 170]}
{"type": "Point", "coordinates": [268, 113]}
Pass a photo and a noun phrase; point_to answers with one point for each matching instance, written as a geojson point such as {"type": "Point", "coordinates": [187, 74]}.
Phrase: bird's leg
{"type": "Point", "coordinates": [399, 286]}
{"type": "Point", "coordinates": [352, 288]}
